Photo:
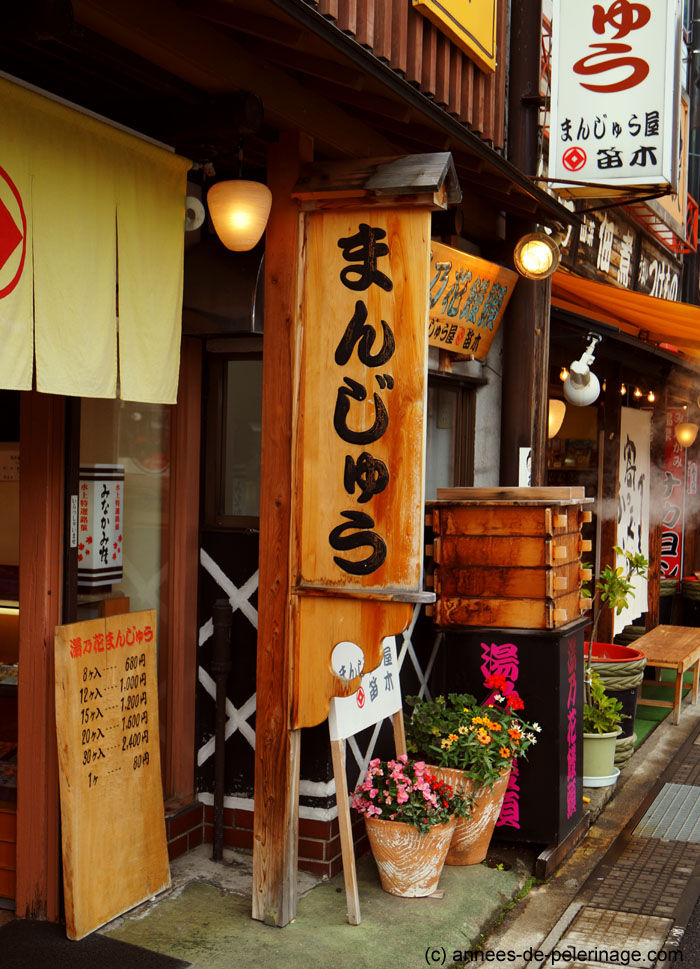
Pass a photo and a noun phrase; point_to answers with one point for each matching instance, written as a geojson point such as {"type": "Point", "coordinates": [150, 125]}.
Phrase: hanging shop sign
{"type": "Point", "coordinates": [610, 248]}
{"type": "Point", "coordinates": [673, 208]}
{"type": "Point", "coordinates": [360, 440]}
{"type": "Point", "coordinates": [100, 525]}
{"type": "Point", "coordinates": [615, 105]}
{"type": "Point", "coordinates": [672, 521]}
{"type": "Point", "coordinates": [633, 503]}
{"type": "Point", "coordinates": [468, 297]}
{"type": "Point", "coordinates": [115, 853]}
{"type": "Point", "coordinates": [472, 26]}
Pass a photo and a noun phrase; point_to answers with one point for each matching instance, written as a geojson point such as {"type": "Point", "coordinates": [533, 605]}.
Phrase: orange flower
{"type": "Point", "coordinates": [515, 733]}
{"type": "Point", "coordinates": [504, 752]}
{"type": "Point", "coordinates": [483, 736]}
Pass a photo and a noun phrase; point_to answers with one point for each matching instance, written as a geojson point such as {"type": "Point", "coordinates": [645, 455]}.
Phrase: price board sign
{"type": "Point", "coordinates": [113, 826]}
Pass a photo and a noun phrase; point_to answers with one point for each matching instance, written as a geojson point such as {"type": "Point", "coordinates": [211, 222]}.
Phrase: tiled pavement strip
{"type": "Point", "coordinates": [640, 895]}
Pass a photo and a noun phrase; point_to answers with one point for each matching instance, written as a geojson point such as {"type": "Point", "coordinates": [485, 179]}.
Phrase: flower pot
{"type": "Point", "coordinates": [472, 835]}
{"type": "Point", "coordinates": [410, 862]}
{"type": "Point", "coordinates": [599, 759]}
{"type": "Point", "coordinates": [621, 668]}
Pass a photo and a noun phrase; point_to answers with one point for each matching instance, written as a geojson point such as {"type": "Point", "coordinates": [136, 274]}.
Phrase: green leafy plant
{"type": "Point", "coordinates": [404, 790]}
{"type": "Point", "coordinates": [601, 713]}
{"type": "Point", "coordinates": [614, 586]}
{"type": "Point", "coordinates": [481, 740]}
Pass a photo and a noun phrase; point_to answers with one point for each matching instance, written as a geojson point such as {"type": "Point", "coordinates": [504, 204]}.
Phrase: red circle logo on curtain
{"type": "Point", "coordinates": [13, 234]}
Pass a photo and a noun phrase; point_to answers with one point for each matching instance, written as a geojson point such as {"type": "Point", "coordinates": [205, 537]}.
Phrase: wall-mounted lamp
{"type": "Point", "coordinates": [582, 387]}
{"type": "Point", "coordinates": [557, 409]}
{"type": "Point", "coordinates": [536, 255]}
{"type": "Point", "coordinates": [239, 210]}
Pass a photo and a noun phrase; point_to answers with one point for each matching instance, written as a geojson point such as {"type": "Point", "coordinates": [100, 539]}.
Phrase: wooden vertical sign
{"type": "Point", "coordinates": [360, 441]}
{"type": "Point", "coordinates": [113, 825]}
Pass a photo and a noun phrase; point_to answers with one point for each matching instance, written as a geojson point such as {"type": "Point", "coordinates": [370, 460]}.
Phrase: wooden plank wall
{"type": "Point", "coordinates": [414, 47]}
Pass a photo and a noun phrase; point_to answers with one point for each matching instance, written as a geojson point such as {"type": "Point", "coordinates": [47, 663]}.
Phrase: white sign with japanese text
{"type": "Point", "coordinates": [633, 504]}
{"type": "Point", "coordinates": [615, 104]}
{"type": "Point", "coordinates": [379, 696]}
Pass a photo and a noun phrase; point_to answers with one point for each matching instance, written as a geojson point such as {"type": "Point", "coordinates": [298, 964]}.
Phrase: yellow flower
{"type": "Point", "coordinates": [504, 752]}
{"type": "Point", "coordinates": [463, 730]}
{"type": "Point", "coordinates": [435, 730]}
{"type": "Point", "coordinates": [446, 743]}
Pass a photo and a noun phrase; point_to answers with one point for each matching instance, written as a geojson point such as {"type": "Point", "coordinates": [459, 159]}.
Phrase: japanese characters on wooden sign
{"type": "Point", "coordinates": [468, 297]}
{"type": "Point", "coordinates": [360, 440]}
{"type": "Point", "coordinates": [472, 26]}
{"type": "Point", "coordinates": [615, 94]}
{"type": "Point", "coordinates": [611, 248]}
{"type": "Point", "coordinates": [112, 819]}
{"type": "Point", "coordinates": [100, 522]}
{"type": "Point", "coordinates": [673, 510]}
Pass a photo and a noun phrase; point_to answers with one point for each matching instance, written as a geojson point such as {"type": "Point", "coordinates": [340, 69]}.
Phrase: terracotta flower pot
{"type": "Point", "coordinates": [472, 836]}
{"type": "Point", "coordinates": [410, 863]}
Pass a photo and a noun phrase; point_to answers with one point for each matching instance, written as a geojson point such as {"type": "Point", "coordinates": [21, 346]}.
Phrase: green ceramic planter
{"type": "Point", "coordinates": [599, 759]}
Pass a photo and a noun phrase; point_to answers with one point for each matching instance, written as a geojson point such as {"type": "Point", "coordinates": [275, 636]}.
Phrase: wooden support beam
{"type": "Point", "coordinates": [277, 746]}
{"type": "Point", "coordinates": [178, 653]}
{"type": "Point", "coordinates": [41, 530]}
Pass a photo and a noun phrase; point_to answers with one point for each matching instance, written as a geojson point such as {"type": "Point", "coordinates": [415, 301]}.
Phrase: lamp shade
{"type": "Point", "coordinates": [557, 409]}
{"type": "Point", "coordinates": [239, 210]}
{"type": "Point", "coordinates": [536, 255]}
{"type": "Point", "coordinates": [581, 387]}
{"type": "Point", "coordinates": [686, 433]}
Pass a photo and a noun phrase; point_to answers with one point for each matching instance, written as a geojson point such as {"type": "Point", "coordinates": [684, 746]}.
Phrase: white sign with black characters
{"type": "Point", "coordinates": [615, 107]}
{"type": "Point", "coordinates": [378, 696]}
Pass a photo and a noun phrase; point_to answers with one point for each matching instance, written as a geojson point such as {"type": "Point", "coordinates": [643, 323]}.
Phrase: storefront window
{"type": "Point", "coordinates": [132, 438]}
{"type": "Point", "coordinates": [242, 440]}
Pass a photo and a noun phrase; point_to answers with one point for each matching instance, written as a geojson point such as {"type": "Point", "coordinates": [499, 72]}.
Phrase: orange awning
{"type": "Point", "coordinates": [650, 319]}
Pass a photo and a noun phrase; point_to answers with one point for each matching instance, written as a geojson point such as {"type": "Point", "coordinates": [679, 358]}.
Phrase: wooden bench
{"type": "Point", "coordinates": [672, 648]}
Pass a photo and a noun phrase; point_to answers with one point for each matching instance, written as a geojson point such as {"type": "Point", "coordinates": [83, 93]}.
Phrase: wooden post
{"type": "Point", "coordinates": [41, 520]}
{"type": "Point", "coordinates": [178, 659]}
{"type": "Point", "coordinates": [277, 746]}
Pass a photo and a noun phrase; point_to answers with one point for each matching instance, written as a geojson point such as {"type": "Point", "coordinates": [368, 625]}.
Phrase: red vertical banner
{"type": "Point", "coordinates": [673, 507]}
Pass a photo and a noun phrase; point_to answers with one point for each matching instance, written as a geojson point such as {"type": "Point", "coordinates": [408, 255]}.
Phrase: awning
{"type": "Point", "coordinates": [91, 254]}
{"type": "Point", "coordinates": [653, 320]}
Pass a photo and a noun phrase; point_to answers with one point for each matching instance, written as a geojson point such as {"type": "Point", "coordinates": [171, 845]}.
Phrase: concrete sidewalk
{"type": "Point", "coordinates": [205, 918]}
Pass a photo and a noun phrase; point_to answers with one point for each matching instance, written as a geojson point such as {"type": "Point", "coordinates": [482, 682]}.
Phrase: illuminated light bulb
{"type": "Point", "coordinates": [651, 396]}
{"type": "Point", "coordinates": [623, 389]}
{"type": "Point", "coordinates": [563, 373]}
{"type": "Point", "coordinates": [637, 392]}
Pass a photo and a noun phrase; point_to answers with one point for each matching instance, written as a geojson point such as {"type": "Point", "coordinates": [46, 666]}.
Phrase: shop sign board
{"type": "Point", "coordinates": [633, 504]}
{"type": "Point", "coordinates": [673, 511]}
{"type": "Point", "coordinates": [472, 26]}
{"type": "Point", "coordinates": [610, 248]}
{"type": "Point", "coordinates": [673, 208]}
{"type": "Point", "coordinates": [112, 818]}
{"type": "Point", "coordinates": [100, 525]}
{"type": "Point", "coordinates": [378, 697]}
{"type": "Point", "coordinates": [535, 663]}
{"type": "Point", "coordinates": [468, 297]}
{"type": "Point", "coordinates": [360, 441]}
{"type": "Point", "coordinates": [615, 105]}
{"type": "Point", "coordinates": [658, 274]}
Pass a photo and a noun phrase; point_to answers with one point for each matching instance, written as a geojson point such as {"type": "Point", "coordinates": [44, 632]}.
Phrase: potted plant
{"type": "Point", "coordinates": [621, 668]}
{"type": "Point", "coordinates": [601, 727]}
{"type": "Point", "coordinates": [472, 747]}
{"type": "Point", "coordinates": [410, 815]}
